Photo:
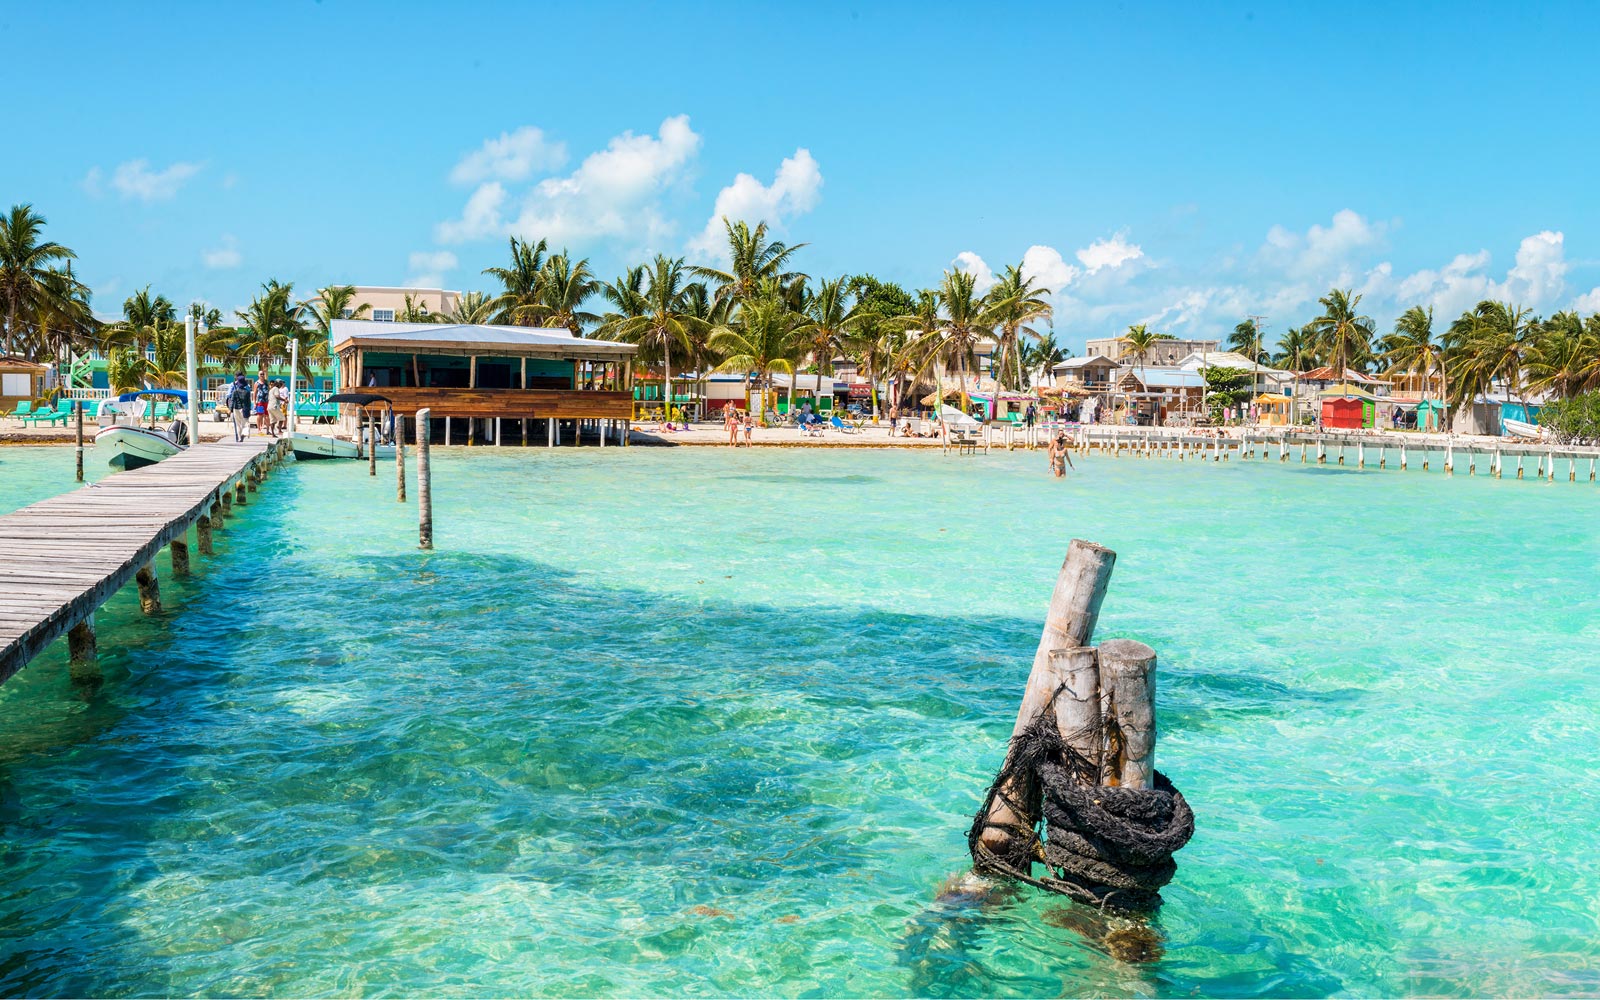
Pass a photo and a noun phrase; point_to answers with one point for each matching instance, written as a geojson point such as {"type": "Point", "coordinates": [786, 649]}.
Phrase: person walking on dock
{"type": "Point", "coordinates": [262, 390]}
{"type": "Point", "coordinates": [239, 407]}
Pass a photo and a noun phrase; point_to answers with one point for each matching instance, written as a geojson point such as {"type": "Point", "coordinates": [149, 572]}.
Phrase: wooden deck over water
{"type": "Point", "coordinates": [63, 557]}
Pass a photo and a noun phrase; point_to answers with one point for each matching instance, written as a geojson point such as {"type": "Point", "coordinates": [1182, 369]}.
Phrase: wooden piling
{"type": "Point", "coordinates": [1402, 456]}
{"type": "Point", "coordinates": [83, 652]}
{"type": "Point", "coordinates": [1449, 458]}
{"type": "Point", "coordinates": [424, 484]}
{"type": "Point", "coordinates": [179, 547]}
{"type": "Point", "coordinates": [1128, 713]}
{"type": "Point", "coordinates": [202, 531]}
{"type": "Point", "coordinates": [1077, 675]}
{"type": "Point", "coordinates": [372, 446]}
{"type": "Point", "coordinates": [149, 590]}
{"type": "Point", "coordinates": [238, 492]}
{"type": "Point", "coordinates": [400, 459]}
{"type": "Point", "coordinates": [1069, 623]}
{"type": "Point", "coordinates": [77, 413]}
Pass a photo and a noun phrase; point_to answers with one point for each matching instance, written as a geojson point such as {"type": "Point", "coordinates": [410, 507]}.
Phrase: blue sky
{"type": "Point", "coordinates": [1178, 164]}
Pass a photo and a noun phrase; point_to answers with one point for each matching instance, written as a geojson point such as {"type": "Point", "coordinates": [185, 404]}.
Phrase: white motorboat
{"type": "Point", "coordinates": [1521, 429]}
{"type": "Point", "coordinates": [318, 446]}
{"type": "Point", "coordinates": [313, 446]}
{"type": "Point", "coordinates": [128, 445]}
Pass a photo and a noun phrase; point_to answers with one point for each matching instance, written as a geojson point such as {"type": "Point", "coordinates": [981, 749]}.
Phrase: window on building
{"type": "Point", "coordinates": [346, 313]}
{"type": "Point", "coordinates": [16, 384]}
{"type": "Point", "coordinates": [383, 315]}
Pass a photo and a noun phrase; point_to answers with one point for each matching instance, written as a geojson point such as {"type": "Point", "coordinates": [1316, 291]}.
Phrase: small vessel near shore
{"type": "Point", "coordinates": [129, 445]}
{"type": "Point", "coordinates": [320, 446]}
{"type": "Point", "coordinates": [1521, 428]}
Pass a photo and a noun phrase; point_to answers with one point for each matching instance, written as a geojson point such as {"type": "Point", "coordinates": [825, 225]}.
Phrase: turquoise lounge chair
{"type": "Point", "coordinates": [23, 411]}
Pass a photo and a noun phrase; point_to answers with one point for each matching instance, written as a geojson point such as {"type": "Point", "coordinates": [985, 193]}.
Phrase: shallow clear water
{"type": "Point", "coordinates": [697, 722]}
{"type": "Point", "coordinates": [32, 473]}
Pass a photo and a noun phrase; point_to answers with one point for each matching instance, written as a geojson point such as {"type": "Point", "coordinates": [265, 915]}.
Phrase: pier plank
{"type": "Point", "coordinates": [79, 548]}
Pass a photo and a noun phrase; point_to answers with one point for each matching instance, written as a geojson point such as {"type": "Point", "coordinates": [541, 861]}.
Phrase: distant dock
{"type": "Point", "coordinates": [64, 557]}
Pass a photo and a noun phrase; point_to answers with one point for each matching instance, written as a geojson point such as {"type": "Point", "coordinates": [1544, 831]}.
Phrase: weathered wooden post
{"type": "Point", "coordinates": [1069, 623]}
{"type": "Point", "coordinates": [1322, 451]}
{"type": "Point", "coordinates": [1128, 713]}
{"type": "Point", "coordinates": [1402, 456]}
{"type": "Point", "coordinates": [1361, 454]}
{"type": "Point", "coordinates": [149, 589]}
{"type": "Point", "coordinates": [424, 483]}
{"type": "Point", "coordinates": [1550, 466]}
{"type": "Point", "coordinates": [1497, 463]}
{"type": "Point", "coordinates": [1519, 465]}
{"type": "Point", "coordinates": [1572, 468]}
{"type": "Point", "coordinates": [239, 491]}
{"type": "Point", "coordinates": [202, 531]}
{"type": "Point", "coordinates": [77, 412]}
{"type": "Point", "coordinates": [400, 459]}
{"type": "Point", "coordinates": [372, 446]}
{"type": "Point", "coordinates": [1449, 458]}
{"type": "Point", "coordinates": [179, 547]}
{"type": "Point", "coordinates": [83, 652]}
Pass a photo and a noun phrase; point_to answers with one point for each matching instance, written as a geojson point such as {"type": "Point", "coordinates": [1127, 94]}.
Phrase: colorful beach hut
{"type": "Point", "coordinates": [1430, 415]}
{"type": "Point", "coordinates": [1272, 409]}
{"type": "Point", "coordinates": [1348, 408]}
{"type": "Point", "coordinates": [21, 381]}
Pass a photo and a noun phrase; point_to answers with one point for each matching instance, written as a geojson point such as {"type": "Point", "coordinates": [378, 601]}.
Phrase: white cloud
{"type": "Point", "coordinates": [1110, 254]}
{"type": "Point", "coordinates": [223, 257]}
{"type": "Point", "coordinates": [480, 217]}
{"type": "Point", "coordinates": [1588, 302]}
{"type": "Point", "coordinates": [1322, 248]}
{"type": "Point", "coordinates": [1046, 265]}
{"type": "Point", "coordinates": [1536, 280]}
{"type": "Point", "coordinates": [135, 179]}
{"type": "Point", "coordinates": [428, 268]}
{"type": "Point", "coordinates": [1539, 275]}
{"type": "Point", "coordinates": [982, 276]}
{"type": "Point", "coordinates": [795, 189]}
{"type": "Point", "coordinates": [514, 156]}
{"type": "Point", "coordinates": [613, 193]}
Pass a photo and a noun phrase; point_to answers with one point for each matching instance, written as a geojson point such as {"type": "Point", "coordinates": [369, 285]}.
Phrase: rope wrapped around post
{"type": "Point", "coordinates": [1078, 790]}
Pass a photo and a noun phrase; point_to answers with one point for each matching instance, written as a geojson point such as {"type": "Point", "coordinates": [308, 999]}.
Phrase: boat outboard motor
{"type": "Point", "coordinates": [180, 433]}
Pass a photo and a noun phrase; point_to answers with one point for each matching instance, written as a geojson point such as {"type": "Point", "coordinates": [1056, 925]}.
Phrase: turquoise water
{"type": "Point", "coordinates": [697, 722]}
{"type": "Point", "coordinates": [33, 473]}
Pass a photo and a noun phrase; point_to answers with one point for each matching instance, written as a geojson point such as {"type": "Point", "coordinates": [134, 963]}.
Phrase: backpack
{"type": "Point", "coordinates": [239, 397]}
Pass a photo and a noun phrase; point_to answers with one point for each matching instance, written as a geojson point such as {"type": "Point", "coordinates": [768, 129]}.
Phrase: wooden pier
{"type": "Point", "coordinates": [64, 557]}
{"type": "Point", "coordinates": [1494, 457]}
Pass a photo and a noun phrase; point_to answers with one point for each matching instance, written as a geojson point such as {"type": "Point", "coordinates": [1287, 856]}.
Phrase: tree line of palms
{"type": "Point", "coordinates": [759, 315]}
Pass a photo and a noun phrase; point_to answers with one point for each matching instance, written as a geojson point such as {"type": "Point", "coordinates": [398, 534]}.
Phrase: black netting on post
{"type": "Point", "coordinates": [1103, 845]}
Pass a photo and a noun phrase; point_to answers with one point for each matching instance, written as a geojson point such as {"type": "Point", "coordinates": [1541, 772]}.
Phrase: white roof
{"type": "Point", "coordinates": [1226, 359]}
{"type": "Point", "coordinates": [360, 332]}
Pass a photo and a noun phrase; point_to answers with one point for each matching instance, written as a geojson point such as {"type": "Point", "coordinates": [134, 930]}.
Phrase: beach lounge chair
{"type": "Point", "coordinates": [840, 425]}
{"type": "Point", "coordinates": [23, 411]}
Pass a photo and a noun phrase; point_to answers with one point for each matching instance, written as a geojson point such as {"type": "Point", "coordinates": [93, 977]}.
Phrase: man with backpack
{"type": "Point", "coordinates": [239, 407]}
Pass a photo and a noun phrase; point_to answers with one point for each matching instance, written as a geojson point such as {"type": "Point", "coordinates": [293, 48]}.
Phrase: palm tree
{"type": "Point", "coordinates": [966, 322]}
{"type": "Point", "coordinates": [25, 263]}
{"type": "Point", "coordinates": [565, 286]}
{"type": "Point", "coordinates": [143, 316]}
{"type": "Point", "coordinates": [62, 318]}
{"type": "Point", "coordinates": [521, 303]}
{"type": "Point", "coordinates": [1486, 345]}
{"type": "Point", "coordinates": [663, 323]}
{"type": "Point", "coordinates": [1044, 357]}
{"type": "Point", "coordinates": [330, 303]}
{"type": "Point", "coordinates": [1411, 347]}
{"type": "Point", "coordinates": [918, 348]}
{"type": "Point", "coordinates": [825, 326]}
{"type": "Point", "coordinates": [269, 322]}
{"type": "Point", "coordinates": [1246, 339]}
{"type": "Point", "coordinates": [1138, 341]}
{"type": "Point", "coordinates": [1345, 335]}
{"type": "Point", "coordinates": [752, 259]}
{"type": "Point", "coordinates": [1014, 302]}
{"type": "Point", "coordinates": [473, 308]}
{"type": "Point", "coordinates": [765, 338]}
{"type": "Point", "coordinates": [1565, 356]}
